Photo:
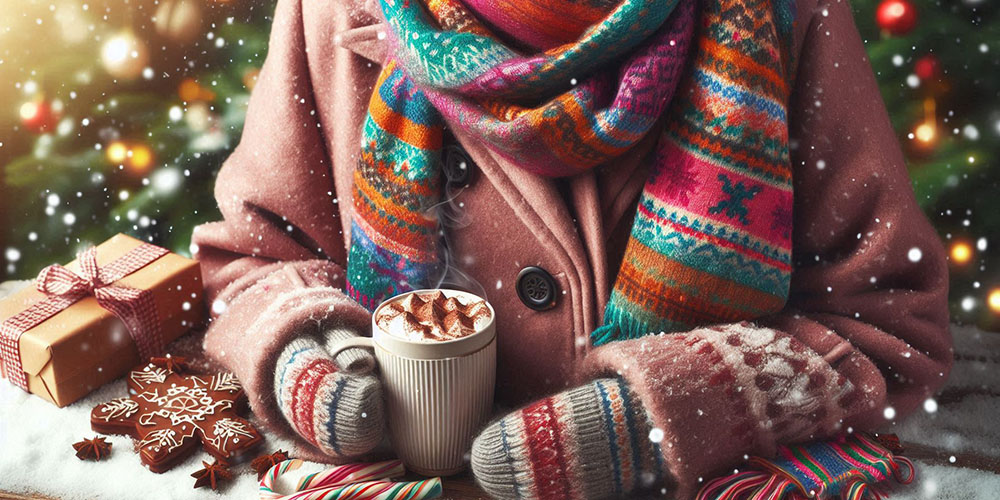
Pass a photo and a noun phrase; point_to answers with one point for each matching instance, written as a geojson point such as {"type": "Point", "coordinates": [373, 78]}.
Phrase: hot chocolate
{"type": "Point", "coordinates": [432, 317]}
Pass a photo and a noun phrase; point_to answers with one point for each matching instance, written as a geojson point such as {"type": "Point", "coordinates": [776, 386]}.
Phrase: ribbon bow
{"type": "Point", "coordinates": [62, 288]}
{"type": "Point", "coordinates": [58, 280]}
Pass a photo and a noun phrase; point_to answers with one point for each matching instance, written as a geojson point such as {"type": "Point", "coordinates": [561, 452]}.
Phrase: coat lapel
{"type": "Point", "coordinates": [544, 211]}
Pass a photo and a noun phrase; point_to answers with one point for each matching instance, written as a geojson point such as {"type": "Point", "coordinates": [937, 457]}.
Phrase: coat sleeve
{"type": "Point", "coordinates": [864, 337]}
{"type": "Point", "coordinates": [274, 266]}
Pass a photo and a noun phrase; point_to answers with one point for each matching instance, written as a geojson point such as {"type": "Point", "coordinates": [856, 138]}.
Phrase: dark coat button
{"type": "Point", "coordinates": [536, 288]}
{"type": "Point", "coordinates": [458, 166]}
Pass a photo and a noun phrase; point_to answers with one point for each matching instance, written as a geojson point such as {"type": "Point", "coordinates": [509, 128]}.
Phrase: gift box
{"type": "Point", "coordinates": [82, 325]}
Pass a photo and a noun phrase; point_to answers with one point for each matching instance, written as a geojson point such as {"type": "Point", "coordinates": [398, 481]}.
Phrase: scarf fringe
{"type": "Point", "coordinates": [620, 325]}
{"type": "Point", "coordinates": [755, 485]}
{"type": "Point", "coordinates": [774, 484]}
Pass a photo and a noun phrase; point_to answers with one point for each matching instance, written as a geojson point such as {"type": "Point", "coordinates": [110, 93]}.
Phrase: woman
{"type": "Point", "coordinates": [619, 170]}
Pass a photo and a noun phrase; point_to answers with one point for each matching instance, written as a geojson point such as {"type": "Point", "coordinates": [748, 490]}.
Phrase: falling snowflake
{"type": "Point", "coordinates": [889, 413]}
{"type": "Point", "coordinates": [656, 435]}
{"type": "Point", "coordinates": [930, 405]}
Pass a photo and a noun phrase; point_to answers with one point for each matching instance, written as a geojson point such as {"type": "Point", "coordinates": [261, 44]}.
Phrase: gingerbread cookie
{"type": "Point", "coordinates": [170, 413]}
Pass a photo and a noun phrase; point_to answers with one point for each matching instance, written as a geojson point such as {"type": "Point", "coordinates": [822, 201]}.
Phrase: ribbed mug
{"type": "Point", "coordinates": [437, 393]}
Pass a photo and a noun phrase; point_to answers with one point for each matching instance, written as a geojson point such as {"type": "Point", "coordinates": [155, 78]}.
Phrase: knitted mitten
{"type": "Point", "coordinates": [334, 404]}
{"type": "Point", "coordinates": [594, 441]}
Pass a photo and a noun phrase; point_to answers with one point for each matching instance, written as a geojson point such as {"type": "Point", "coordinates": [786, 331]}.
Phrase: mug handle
{"type": "Point", "coordinates": [350, 343]}
{"type": "Point", "coordinates": [364, 366]}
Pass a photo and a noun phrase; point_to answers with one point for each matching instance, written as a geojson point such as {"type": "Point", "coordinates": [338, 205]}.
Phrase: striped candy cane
{"type": "Point", "coordinates": [352, 481]}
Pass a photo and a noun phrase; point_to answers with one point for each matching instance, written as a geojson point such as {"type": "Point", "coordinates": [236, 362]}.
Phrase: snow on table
{"type": "Point", "coordinates": [942, 482]}
{"type": "Point", "coordinates": [38, 458]}
{"type": "Point", "coordinates": [961, 418]}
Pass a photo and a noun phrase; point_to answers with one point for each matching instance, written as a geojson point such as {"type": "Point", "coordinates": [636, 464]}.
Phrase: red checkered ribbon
{"type": "Point", "coordinates": [63, 288]}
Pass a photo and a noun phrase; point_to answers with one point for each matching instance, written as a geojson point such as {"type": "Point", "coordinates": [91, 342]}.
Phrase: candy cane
{"type": "Point", "coordinates": [352, 481]}
{"type": "Point", "coordinates": [377, 490]}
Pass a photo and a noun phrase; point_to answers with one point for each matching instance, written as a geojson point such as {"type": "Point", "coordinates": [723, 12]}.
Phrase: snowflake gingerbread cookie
{"type": "Point", "coordinates": [169, 414]}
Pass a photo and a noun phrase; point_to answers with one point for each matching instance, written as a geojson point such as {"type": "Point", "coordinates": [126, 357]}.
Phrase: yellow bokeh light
{"type": "Point", "coordinates": [961, 253]}
{"type": "Point", "coordinates": [925, 132]}
{"type": "Point", "coordinates": [29, 110]}
{"type": "Point", "coordinates": [142, 158]}
{"type": "Point", "coordinates": [117, 152]}
{"type": "Point", "coordinates": [993, 300]}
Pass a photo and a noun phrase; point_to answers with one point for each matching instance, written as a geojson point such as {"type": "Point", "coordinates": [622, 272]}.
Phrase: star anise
{"type": "Point", "coordinates": [211, 475]}
{"type": "Point", "coordinates": [92, 449]}
{"type": "Point", "coordinates": [173, 364]}
{"type": "Point", "coordinates": [263, 463]}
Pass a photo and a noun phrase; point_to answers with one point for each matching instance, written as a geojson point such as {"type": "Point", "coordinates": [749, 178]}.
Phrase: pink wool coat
{"type": "Point", "coordinates": [865, 327]}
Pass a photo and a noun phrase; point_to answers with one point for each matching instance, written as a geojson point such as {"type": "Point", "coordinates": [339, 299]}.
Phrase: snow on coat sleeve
{"type": "Point", "coordinates": [274, 266]}
{"type": "Point", "coordinates": [864, 336]}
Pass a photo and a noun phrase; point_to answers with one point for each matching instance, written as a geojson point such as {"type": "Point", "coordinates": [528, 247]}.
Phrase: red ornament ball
{"type": "Point", "coordinates": [897, 17]}
{"type": "Point", "coordinates": [927, 67]}
{"type": "Point", "coordinates": [38, 116]}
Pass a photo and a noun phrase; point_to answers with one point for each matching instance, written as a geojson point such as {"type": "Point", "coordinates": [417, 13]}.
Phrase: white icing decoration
{"type": "Point", "coordinates": [186, 403]}
{"type": "Point", "coordinates": [225, 381]}
{"type": "Point", "coordinates": [182, 404]}
{"type": "Point", "coordinates": [149, 376]}
{"type": "Point", "coordinates": [166, 438]}
{"type": "Point", "coordinates": [119, 408]}
{"type": "Point", "coordinates": [228, 429]}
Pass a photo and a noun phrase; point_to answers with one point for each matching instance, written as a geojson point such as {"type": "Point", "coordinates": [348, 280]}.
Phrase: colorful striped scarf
{"type": "Point", "coordinates": [851, 467]}
{"type": "Point", "coordinates": [711, 239]}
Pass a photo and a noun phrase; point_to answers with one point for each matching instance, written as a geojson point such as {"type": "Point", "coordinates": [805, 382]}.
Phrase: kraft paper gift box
{"type": "Point", "coordinates": [85, 345]}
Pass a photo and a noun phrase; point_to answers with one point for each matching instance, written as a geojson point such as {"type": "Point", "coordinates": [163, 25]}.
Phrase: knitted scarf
{"type": "Point", "coordinates": [559, 87]}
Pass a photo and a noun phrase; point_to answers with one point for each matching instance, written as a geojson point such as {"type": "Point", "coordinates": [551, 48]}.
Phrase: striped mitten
{"type": "Point", "coordinates": [334, 404]}
{"type": "Point", "coordinates": [593, 441]}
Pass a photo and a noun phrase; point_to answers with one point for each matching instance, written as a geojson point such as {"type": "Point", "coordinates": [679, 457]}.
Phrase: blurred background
{"type": "Point", "coordinates": [115, 116]}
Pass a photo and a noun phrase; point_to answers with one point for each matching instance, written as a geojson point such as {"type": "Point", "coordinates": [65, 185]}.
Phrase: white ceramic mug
{"type": "Point", "coordinates": [437, 393]}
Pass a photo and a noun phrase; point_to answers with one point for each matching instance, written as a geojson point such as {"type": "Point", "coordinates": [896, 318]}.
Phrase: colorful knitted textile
{"type": "Point", "coordinates": [848, 468]}
{"type": "Point", "coordinates": [594, 441]}
{"type": "Point", "coordinates": [711, 241]}
{"type": "Point", "coordinates": [337, 410]}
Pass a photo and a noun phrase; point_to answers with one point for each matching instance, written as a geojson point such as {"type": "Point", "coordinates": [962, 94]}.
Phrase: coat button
{"type": "Point", "coordinates": [458, 166]}
{"type": "Point", "coordinates": [536, 288]}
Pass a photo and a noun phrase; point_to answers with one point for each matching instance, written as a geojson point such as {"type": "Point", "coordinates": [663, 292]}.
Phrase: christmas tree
{"type": "Point", "coordinates": [938, 65]}
{"type": "Point", "coordinates": [121, 124]}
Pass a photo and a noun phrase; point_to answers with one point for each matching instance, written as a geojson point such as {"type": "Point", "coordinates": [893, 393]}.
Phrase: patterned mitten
{"type": "Point", "coordinates": [593, 441]}
{"type": "Point", "coordinates": [334, 404]}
